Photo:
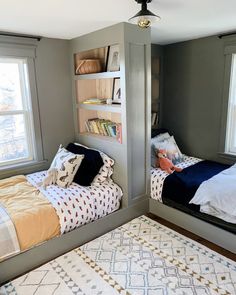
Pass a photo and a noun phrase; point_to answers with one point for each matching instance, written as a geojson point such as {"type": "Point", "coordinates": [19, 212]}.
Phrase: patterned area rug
{"type": "Point", "coordinates": [141, 257]}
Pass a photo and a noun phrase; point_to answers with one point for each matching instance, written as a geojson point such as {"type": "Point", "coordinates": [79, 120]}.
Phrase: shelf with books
{"type": "Point", "coordinates": [154, 119]}
{"type": "Point", "coordinates": [101, 137]}
{"type": "Point", "coordinates": [99, 122]}
{"type": "Point", "coordinates": [101, 75]}
{"type": "Point", "coordinates": [156, 86]}
{"type": "Point", "coordinates": [98, 89]}
{"type": "Point", "coordinates": [113, 108]}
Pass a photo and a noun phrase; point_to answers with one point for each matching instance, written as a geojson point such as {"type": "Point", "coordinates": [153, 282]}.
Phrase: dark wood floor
{"type": "Point", "coordinates": [194, 237]}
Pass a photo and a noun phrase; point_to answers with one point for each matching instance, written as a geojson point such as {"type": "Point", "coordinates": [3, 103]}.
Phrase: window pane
{"type": "Point", "coordinates": [10, 89]}
{"type": "Point", "coordinates": [13, 138]}
{"type": "Point", "coordinates": [231, 120]}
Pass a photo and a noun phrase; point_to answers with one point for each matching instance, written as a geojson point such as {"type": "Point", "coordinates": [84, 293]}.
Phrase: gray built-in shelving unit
{"type": "Point", "coordinates": [132, 165]}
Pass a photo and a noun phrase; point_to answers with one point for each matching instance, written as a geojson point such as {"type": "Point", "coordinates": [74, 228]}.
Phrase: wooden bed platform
{"type": "Point", "coordinates": [38, 255]}
{"type": "Point", "coordinates": [34, 257]}
{"type": "Point", "coordinates": [199, 227]}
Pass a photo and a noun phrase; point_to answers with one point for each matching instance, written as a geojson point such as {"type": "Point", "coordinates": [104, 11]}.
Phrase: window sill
{"type": "Point", "coordinates": [22, 168]}
{"type": "Point", "coordinates": [227, 156]}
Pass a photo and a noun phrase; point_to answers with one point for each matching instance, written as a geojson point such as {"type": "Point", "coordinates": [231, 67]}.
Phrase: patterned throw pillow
{"type": "Point", "coordinates": [155, 140]}
{"type": "Point", "coordinates": [172, 150]}
{"type": "Point", "coordinates": [67, 165]}
{"type": "Point", "coordinates": [106, 170]}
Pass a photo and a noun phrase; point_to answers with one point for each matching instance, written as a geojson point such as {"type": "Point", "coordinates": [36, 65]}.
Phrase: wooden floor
{"type": "Point", "coordinates": [194, 237]}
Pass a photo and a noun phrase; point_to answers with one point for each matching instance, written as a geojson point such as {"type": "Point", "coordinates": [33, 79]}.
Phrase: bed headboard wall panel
{"type": "Point", "coordinates": [113, 151]}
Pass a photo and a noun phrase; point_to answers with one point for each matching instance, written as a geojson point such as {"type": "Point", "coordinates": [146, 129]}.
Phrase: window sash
{"type": "Point", "coordinates": [230, 146]}
{"type": "Point", "coordinates": [25, 48]}
{"type": "Point", "coordinates": [26, 111]}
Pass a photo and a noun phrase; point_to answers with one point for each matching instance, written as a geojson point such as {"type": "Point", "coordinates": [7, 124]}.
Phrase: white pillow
{"type": "Point", "coordinates": [106, 170]}
{"type": "Point", "coordinates": [172, 150]}
{"type": "Point", "coordinates": [159, 138]}
{"type": "Point", "coordinates": [67, 165]}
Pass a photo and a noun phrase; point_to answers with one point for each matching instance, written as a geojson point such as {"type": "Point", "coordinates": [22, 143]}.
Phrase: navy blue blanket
{"type": "Point", "coordinates": [180, 187]}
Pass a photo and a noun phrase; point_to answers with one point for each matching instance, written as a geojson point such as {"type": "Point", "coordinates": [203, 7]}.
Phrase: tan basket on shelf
{"type": "Point", "coordinates": [88, 66]}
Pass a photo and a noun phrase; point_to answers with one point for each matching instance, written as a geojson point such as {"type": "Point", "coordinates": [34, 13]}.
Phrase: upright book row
{"type": "Point", "coordinates": [105, 128]}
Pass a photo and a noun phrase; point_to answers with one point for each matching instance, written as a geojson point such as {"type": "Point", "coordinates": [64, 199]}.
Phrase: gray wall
{"type": "Point", "coordinates": [193, 92]}
{"type": "Point", "coordinates": [54, 94]}
{"type": "Point", "coordinates": [53, 78]}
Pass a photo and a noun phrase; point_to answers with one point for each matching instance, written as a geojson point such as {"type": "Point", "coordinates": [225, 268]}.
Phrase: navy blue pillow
{"type": "Point", "coordinates": [89, 166]}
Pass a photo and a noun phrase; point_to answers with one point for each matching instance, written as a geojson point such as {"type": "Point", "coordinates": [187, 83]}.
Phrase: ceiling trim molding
{"type": "Point", "coordinates": [229, 34]}
{"type": "Point", "coordinates": [8, 34]}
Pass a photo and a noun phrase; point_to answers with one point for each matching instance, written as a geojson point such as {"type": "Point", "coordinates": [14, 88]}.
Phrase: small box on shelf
{"type": "Point", "coordinates": [98, 60]}
{"type": "Point", "coordinates": [91, 61]}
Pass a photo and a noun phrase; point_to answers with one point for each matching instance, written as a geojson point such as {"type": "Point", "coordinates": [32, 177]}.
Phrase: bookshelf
{"type": "Point", "coordinates": [157, 60]}
{"type": "Point", "coordinates": [92, 116]}
{"type": "Point", "coordinates": [100, 107]}
{"type": "Point", "coordinates": [130, 82]}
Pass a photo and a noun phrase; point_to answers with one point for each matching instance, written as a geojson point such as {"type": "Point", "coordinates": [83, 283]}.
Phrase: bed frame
{"type": "Point", "coordinates": [36, 256]}
{"type": "Point", "coordinates": [206, 230]}
{"type": "Point", "coordinates": [21, 263]}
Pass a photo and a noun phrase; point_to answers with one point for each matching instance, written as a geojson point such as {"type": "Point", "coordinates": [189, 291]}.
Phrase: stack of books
{"type": "Point", "coordinates": [154, 119]}
{"type": "Point", "coordinates": [104, 127]}
{"type": "Point", "coordinates": [95, 101]}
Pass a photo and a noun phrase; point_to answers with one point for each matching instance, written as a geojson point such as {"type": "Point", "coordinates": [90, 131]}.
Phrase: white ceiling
{"type": "Point", "coordinates": [180, 19]}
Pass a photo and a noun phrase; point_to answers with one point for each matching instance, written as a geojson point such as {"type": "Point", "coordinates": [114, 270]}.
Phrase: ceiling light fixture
{"type": "Point", "coordinates": [144, 18]}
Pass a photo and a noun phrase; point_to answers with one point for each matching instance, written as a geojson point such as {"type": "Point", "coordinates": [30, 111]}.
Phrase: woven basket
{"type": "Point", "coordinates": [88, 66]}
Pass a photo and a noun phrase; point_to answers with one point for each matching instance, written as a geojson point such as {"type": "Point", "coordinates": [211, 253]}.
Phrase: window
{"type": "Point", "coordinates": [20, 132]}
{"type": "Point", "coordinates": [230, 144]}
{"type": "Point", "coordinates": [16, 118]}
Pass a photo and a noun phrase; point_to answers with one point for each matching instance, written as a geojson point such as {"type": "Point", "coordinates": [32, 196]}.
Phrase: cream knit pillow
{"type": "Point", "coordinates": [67, 165]}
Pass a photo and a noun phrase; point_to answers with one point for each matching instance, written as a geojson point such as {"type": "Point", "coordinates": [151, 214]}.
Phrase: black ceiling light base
{"type": "Point", "coordinates": [144, 18]}
{"type": "Point", "coordinates": [141, 1]}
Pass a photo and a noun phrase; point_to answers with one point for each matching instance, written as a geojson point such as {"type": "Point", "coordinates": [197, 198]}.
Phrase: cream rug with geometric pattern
{"type": "Point", "coordinates": [141, 257]}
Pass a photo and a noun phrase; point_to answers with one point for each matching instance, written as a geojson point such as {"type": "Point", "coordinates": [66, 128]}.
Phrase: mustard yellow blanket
{"type": "Point", "coordinates": [34, 217]}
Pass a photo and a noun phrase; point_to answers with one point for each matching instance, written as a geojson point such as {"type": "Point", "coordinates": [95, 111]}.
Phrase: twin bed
{"type": "Point", "coordinates": [31, 214]}
{"type": "Point", "coordinates": [201, 189]}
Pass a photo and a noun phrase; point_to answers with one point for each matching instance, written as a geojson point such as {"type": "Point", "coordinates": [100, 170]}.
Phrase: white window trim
{"type": "Point", "coordinates": [231, 112]}
{"type": "Point", "coordinates": [23, 48]}
{"type": "Point", "coordinates": [229, 43]}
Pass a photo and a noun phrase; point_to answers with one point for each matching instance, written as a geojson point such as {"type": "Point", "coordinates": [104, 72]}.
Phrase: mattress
{"type": "Point", "coordinates": [33, 216]}
{"type": "Point", "coordinates": [158, 176]}
{"type": "Point", "coordinates": [177, 190]}
{"type": "Point", "coordinates": [37, 213]}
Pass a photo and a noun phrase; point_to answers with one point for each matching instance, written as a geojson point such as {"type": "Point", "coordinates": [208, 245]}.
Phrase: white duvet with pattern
{"type": "Point", "coordinates": [78, 205]}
